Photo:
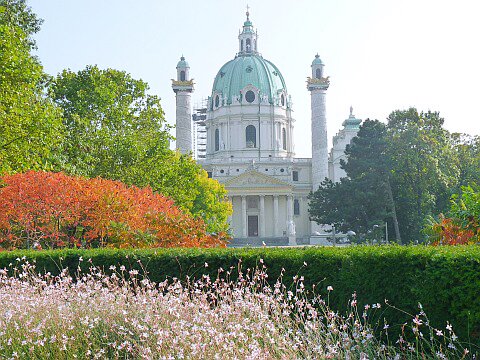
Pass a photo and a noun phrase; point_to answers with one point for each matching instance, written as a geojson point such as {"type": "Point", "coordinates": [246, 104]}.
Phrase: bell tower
{"type": "Point", "coordinates": [318, 85]}
{"type": "Point", "coordinates": [183, 88]}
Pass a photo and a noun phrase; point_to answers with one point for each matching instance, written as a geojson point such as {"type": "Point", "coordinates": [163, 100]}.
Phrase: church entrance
{"type": "Point", "coordinates": [252, 225]}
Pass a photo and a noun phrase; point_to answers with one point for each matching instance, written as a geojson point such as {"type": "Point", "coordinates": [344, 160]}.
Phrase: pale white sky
{"type": "Point", "coordinates": [381, 55]}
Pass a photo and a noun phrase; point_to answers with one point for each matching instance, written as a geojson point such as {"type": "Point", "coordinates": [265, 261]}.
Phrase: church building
{"type": "Point", "coordinates": [249, 129]}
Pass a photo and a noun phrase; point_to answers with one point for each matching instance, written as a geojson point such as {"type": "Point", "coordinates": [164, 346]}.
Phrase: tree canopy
{"type": "Point", "coordinates": [398, 173]}
{"type": "Point", "coordinates": [116, 130]}
{"type": "Point", "coordinates": [93, 123]}
{"type": "Point", "coordinates": [30, 125]}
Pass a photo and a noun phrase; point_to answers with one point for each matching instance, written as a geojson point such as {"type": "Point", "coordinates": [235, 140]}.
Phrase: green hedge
{"type": "Point", "coordinates": [445, 280]}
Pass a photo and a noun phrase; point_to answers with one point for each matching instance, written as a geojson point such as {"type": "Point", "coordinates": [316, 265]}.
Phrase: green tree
{"type": "Point", "coordinates": [401, 173]}
{"type": "Point", "coordinates": [111, 121]}
{"type": "Point", "coordinates": [368, 166]}
{"type": "Point", "coordinates": [423, 167]}
{"type": "Point", "coordinates": [116, 130]}
{"type": "Point", "coordinates": [30, 125]}
{"type": "Point", "coordinates": [467, 155]}
{"type": "Point", "coordinates": [211, 204]}
{"type": "Point", "coordinates": [363, 199]}
{"type": "Point", "coordinates": [16, 13]}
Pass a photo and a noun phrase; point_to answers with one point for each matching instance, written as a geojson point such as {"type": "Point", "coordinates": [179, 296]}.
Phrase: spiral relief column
{"type": "Point", "coordinates": [318, 85]}
{"type": "Point", "coordinates": [183, 88]}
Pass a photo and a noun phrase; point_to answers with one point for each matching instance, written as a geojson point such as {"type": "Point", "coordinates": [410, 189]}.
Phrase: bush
{"type": "Point", "coordinates": [461, 225]}
{"type": "Point", "coordinates": [52, 210]}
{"type": "Point", "coordinates": [443, 279]}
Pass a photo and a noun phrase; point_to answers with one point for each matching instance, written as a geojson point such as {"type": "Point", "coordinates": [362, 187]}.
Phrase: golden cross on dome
{"type": "Point", "coordinates": [248, 13]}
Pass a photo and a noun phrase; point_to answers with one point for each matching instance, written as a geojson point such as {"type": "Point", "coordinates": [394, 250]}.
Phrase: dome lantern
{"type": "Point", "coordinates": [183, 70]}
{"type": "Point", "coordinates": [247, 39]}
{"type": "Point", "coordinates": [317, 67]}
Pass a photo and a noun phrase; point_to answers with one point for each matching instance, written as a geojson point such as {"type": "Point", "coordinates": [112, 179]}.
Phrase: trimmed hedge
{"type": "Point", "coordinates": [445, 280]}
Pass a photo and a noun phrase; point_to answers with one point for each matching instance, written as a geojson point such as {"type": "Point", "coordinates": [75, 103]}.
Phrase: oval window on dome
{"type": "Point", "coordinates": [250, 96]}
{"type": "Point", "coordinates": [282, 99]}
{"type": "Point", "coordinates": [217, 101]}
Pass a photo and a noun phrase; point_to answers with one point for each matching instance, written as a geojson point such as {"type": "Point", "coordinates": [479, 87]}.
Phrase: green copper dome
{"type": "Point", "coordinates": [317, 60]}
{"type": "Point", "coordinates": [253, 70]}
{"type": "Point", "coordinates": [182, 63]}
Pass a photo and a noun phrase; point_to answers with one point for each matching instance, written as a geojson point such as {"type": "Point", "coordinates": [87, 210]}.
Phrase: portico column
{"type": "Point", "coordinates": [289, 207]}
{"type": "Point", "coordinates": [244, 216]}
{"type": "Point", "coordinates": [275, 216]}
{"type": "Point", "coordinates": [262, 216]}
{"type": "Point", "coordinates": [290, 224]}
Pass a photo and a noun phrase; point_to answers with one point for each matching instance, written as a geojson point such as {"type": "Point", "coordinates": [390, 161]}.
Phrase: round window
{"type": "Point", "coordinates": [283, 100]}
{"type": "Point", "coordinates": [250, 96]}
{"type": "Point", "coordinates": [217, 101]}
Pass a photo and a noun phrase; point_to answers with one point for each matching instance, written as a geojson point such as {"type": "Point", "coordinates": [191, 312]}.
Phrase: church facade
{"type": "Point", "coordinates": [249, 144]}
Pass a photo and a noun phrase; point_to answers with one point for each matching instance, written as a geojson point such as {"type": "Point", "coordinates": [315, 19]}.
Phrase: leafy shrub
{"type": "Point", "coordinates": [443, 279]}
{"type": "Point", "coordinates": [52, 210]}
{"type": "Point", "coordinates": [461, 225]}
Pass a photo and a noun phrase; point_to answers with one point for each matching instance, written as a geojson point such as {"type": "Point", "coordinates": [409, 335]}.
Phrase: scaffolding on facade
{"type": "Point", "coordinates": [200, 130]}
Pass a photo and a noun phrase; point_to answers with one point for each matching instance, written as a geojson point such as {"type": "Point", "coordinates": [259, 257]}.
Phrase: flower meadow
{"type": "Point", "coordinates": [117, 314]}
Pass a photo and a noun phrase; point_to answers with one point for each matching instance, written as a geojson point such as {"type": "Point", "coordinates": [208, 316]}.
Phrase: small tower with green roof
{"type": "Point", "coordinates": [351, 125]}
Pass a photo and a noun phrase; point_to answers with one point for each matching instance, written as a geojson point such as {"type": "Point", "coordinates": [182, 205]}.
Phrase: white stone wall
{"type": "Point", "coordinates": [232, 120]}
{"type": "Point", "coordinates": [340, 142]}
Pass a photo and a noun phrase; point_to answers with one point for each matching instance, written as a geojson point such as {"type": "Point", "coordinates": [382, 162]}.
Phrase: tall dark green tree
{"type": "Point", "coordinates": [368, 166]}
{"type": "Point", "coordinates": [363, 199]}
{"type": "Point", "coordinates": [401, 173]}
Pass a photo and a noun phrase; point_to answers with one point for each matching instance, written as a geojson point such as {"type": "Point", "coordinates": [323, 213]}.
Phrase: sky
{"type": "Point", "coordinates": [381, 55]}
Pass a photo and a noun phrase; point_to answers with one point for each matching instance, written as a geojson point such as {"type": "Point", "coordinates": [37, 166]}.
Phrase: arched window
{"type": "Point", "coordinates": [283, 100]}
{"type": "Point", "coordinates": [217, 139]}
{"type": "Point", "coordinates": [255, 45]}
{"type": "Point", "coordinates": [182, 75]}
{"type": "Point", "coordinates": [251, 136]}
{"type": "Point", "coordinates": [248, 44]}
{"type": "Point", "coordinates": [217, 101]}
{"type": "Point", "coordinates": [284, 139]}
{"type": "Point", "coordinates": [318, 73]}
{"type": "Point", "coordinates": [241, 45]}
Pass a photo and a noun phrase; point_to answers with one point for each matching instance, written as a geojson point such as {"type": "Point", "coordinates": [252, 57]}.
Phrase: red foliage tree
{"type": "Point", "coordinates": [51, 210]}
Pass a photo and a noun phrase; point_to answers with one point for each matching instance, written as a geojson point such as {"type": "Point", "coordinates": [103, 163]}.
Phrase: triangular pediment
{"type": "Point", "coordinates": [255, 179]}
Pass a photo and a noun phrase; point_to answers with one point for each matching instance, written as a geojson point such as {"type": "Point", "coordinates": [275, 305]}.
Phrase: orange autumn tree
{"type": "Point", "coordinates": [53, 210]}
